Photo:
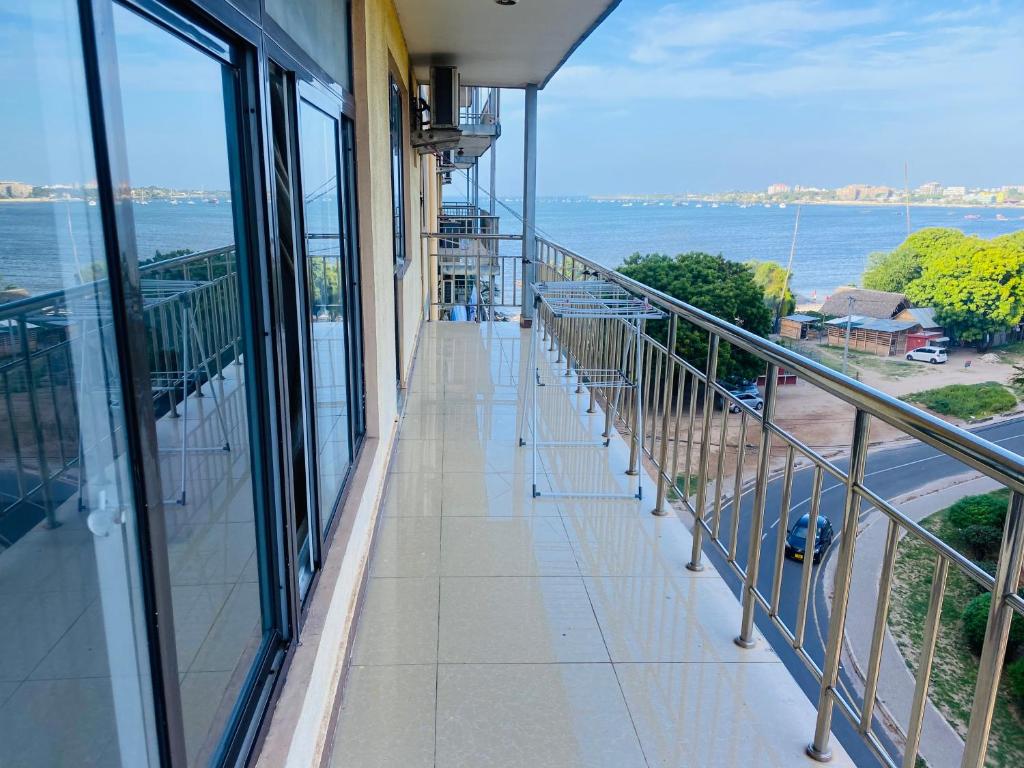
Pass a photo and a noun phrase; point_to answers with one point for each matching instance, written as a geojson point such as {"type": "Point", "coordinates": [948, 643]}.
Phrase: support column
{"type": "Point", "coordinates": [529, 204]}
{"type": "Point", "coordinates": [494, 154]}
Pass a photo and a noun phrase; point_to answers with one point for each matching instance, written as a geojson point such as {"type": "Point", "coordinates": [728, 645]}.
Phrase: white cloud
{"type": "Point", "coordinates": [675, 30]}
{"type": "Point", "coordinates": [905, 63]}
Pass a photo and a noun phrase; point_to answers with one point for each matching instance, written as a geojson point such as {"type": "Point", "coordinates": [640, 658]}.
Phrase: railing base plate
{"type": "Point", "coordinates": [744, 643]}
{"type": "Point", "coordinates": [695, 567]}
{"type": "Point", "coordinates": [821, 757]}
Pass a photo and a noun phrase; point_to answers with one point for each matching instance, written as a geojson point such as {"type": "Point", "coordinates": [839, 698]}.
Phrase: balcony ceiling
{"type": "Point", "coordinates": [493, 45]}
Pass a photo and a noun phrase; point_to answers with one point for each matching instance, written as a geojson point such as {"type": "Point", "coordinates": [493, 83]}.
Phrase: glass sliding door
{"type": "Point", "coordinates": [331, 307]}
{"type": "Point", "coordinates": [291, 323]}
{"type": "Point", "coordinates": [179, 92]}
{"type": "Point", "coordinates": [75, 685]}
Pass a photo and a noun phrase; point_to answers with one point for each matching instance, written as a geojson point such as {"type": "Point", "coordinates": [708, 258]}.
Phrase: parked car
{"type": "Point", "coordinates": [796, 539]}
{"type": "Point", "coordinates": [933, 355]}
{"type": "Point", "coordinates": [753, 399]}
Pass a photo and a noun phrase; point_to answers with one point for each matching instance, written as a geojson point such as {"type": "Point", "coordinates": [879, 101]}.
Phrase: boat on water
{"type": "Point", "coordinates": [972, 216]}
{"type": "Point", "coordinates": [714, 205]}
{"type": "Point", "coordinates": [700, 205]}
{"type": "Point", "coordinates": [782, 205]}
{"type": "Point", "coordinates": [92, 202]}
{"type": "Point", "coordinates": [1001, 217]}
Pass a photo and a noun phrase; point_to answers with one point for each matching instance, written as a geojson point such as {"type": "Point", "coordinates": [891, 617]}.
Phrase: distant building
{"type": "Point", "coordinates": [10, 190]}
{"type": "Point", "coordinates": [929, 189]}
{"type": "Point", "coordinates": [871, 334]}
{"type": "Point", "coordinates": [863, 192]}
{"type": "Point", "coordinates": [878, 304]}
{"type": "Point", "coordinates": [778, 189]}
{"type": "Point", "coordinates": [954, 193]}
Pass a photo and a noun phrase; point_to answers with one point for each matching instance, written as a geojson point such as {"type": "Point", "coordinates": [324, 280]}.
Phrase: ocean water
{"type": "Point", "coordinates": [833, 241]}
{"type": "Point", "coordinates": [43, 246]}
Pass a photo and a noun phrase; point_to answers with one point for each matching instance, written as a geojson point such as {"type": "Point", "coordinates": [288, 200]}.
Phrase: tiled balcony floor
{"type": "Point", "coordinates": [501, 630]}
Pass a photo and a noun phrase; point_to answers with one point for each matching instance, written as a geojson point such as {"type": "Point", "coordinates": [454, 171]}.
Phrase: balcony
{"type": "Point", "coordinates": [500, 629]}
{"type": "Point", "coordinates": [508, 628]}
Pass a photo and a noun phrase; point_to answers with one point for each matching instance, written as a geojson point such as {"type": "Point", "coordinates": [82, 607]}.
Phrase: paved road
{"type": "Point", "coordinates": [889, 473]}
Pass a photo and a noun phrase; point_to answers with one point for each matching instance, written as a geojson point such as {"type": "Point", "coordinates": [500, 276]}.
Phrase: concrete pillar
{"type": "Point", "coordinates": [529, 203]}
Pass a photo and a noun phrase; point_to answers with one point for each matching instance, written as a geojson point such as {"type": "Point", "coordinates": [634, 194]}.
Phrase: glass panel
{"type": "Point", "coordinates": [74, 682]}
{"type": "Point", "coordinates": [318, 150]}
{"type": "Point", "coordinates": [397, 173]}
{"type": "Point", "coordinates": [281, 115]}
{"type": "Point", "coordinates": [178, 115]}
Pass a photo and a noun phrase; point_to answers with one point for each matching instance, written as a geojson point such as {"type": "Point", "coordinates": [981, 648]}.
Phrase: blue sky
{"type": "Point", "coordinates": [663, 97]}
{"type": "Point", "coordinates": [712, 96]}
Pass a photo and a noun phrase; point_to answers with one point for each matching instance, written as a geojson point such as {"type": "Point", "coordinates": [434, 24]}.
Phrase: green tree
{"type": "Point", "coordinates": [975, 285]}
{"type": "Point", "coordinates": [773, 280]}
{"type": "Point", "coordinates": [712, 283]}
{"type": "Point", "coordinates": [892, 271]}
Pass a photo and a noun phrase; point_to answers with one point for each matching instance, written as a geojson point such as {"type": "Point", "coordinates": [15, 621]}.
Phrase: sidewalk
{"type": "Point", "coordinates": [941, 745]}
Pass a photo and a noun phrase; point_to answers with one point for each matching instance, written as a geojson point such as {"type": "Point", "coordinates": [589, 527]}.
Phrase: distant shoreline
{"type": "Point", "coordinates": [791, 203]}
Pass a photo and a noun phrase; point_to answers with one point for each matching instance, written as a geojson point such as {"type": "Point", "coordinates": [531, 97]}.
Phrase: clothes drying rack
{"type": "Point", "coordinates": [589, 300]}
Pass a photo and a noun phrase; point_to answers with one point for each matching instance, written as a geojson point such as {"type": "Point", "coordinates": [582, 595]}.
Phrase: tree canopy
{"type": "Point", "coordinates": [976, 285]}
{"type": "Point", "coordinates": [716, 285]}
{"type": "Point", "coordinates": [773, 279]}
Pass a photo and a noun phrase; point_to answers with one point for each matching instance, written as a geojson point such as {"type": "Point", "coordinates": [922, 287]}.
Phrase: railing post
{"type": "Point", "coordinates": [666, 408]}
{"type": "Point", "coordinates": [529, 204]}
{"type": "Point", "coordinates": [819, 748]}
{"type": "Point", "coordinates": [710, 374]}
{"type": "Point", "coordinates": [993, 652]}
{"type": "Point", "coordinates": [745, 639]}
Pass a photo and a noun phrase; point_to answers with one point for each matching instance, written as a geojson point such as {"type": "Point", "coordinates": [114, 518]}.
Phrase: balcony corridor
{"type": "Point", "coordinates": [501, 630]}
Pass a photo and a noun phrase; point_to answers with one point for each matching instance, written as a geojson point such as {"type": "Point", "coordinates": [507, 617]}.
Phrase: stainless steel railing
{"type": "Point", "coordinates": [40, 337]}
{"type": "Point", "coordinates": [678, 443]}
{"type": "Point", "coordinates": [470, 271]}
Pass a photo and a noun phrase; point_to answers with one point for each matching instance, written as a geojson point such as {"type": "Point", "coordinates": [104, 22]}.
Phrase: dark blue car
{"type": "Point", "coordinates": [796, 539]}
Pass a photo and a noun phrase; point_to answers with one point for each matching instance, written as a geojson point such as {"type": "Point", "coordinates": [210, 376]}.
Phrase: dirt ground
{"type": "Point", "coordinates": [824, 422]}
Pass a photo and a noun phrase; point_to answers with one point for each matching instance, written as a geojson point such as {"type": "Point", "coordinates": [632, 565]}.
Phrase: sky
{"type": "Point", "coordinates": [697, 96]}
{"type": "Point", "coordinates": [716, 96]}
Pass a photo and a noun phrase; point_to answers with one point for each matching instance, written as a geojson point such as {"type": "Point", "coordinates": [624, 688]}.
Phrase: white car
{"type": "Point", "coordinates": [933, 355]}
{"type": "Point", "coordinates": [753, 399]}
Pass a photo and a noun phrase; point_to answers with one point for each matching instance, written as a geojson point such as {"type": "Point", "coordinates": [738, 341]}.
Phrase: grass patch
{"type": "Point", "coordinates": [966, 401]}
{"type": "Point", "coordinates": [832, 357]}
{"type": "Point", "coordinates": [680, 487]}
{"type": "Point", "coordinates": [955, 668]}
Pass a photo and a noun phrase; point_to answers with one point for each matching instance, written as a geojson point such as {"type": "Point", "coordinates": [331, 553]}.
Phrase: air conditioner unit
{"type": "Point", "coordinates": [444, 97]}
{"type": "Point", "coordinates": [443, 132]}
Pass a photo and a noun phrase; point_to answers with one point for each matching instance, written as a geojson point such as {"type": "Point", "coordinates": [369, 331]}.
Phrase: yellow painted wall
{"type": "Point", "coordinates": [378, 49]}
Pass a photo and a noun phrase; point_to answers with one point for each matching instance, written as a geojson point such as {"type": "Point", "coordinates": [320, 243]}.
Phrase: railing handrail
{"type": "Point", "coordinates": [989, 458]}
{"type": "Point", "coordinates": [20, 306]}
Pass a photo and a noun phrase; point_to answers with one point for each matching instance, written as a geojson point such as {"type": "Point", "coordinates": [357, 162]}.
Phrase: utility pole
{"type": "Point", "coordinates": [789, 271]}
{"type": "Point", "coordinates": [849, 321]}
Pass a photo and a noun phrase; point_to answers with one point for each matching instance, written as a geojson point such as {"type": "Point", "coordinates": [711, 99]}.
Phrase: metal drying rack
{"type": "Point", "coordinates": [589, 300]}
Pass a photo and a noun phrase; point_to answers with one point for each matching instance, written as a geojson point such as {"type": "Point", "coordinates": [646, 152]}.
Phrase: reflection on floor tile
{"type": "Point", "coordinates": [46, 721]}
{"type": "Point", "coordinates": [407, 546]}
{"type": "Point", "coordinates": [533, 716]}
{"type": "Point", "coordinates": [398, 622]}
{"type": "Point", "coordinates": [670, 618]}
{"type": "Point", "coordinates": [494, 494]}
{"type": "Point", "coordinates": [610, 544]}
{"type": "Point", "coordinates": [729, 714]}
{"type": "Point", "coordinates": [413, 494]}
{"type": "Point", "coordinates": [386, 718]}
{"type": "Point", "coordinates": [508, 546]}
{"type": "Point", "coordinates": [517, 620]}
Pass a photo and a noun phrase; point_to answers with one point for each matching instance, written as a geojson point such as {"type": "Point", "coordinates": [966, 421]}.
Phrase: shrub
{"type": "Point", "coordinates": [982, 541]}
{"type": "Point", "coordinates": [988, 509]}
{"type": "Point", "coordinates": [975, 618]}
{"type": "Point", "coordinates": [1015, 681]}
